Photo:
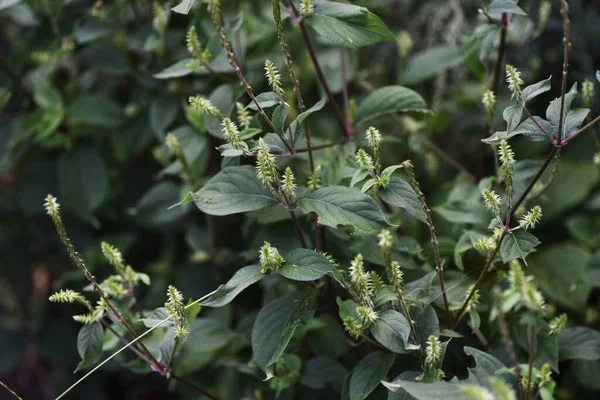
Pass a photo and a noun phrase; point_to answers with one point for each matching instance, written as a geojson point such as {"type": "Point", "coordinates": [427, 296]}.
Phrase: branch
{"type": "Point", "coordinates": [194, 386]}
{"type": "Point", "coordinates": [566, 22]}
{"type": "Point", "coordinates": [492, 255]}
{"type": "Point", "coordinates": [338, 115]}
{"type": "Point", "coordinates": [537, 124]}
{"type": "Point", "coordinates": [531, 359]}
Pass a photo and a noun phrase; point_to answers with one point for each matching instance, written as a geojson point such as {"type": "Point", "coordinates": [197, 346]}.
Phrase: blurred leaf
{"type": "Point", "coordinates": [367, 374]}
{"type": "Point", "coordinates": [579, 343]}
{"type": "Point", "coordinates": [504, 6]}
{"type": "Point", "coordinates": [427, 391]}
{"type": "Point", "coordinates": [156, 317]}
{"type": "Point", "coordinates": [163, 112]}
{"type": "Point", "coordinates": [387, 100]}
{"type": "Point", "coordinates": [106, 57]}
{"type": "Point", "coordinates": [430, 62]}
{"type": "Point", "coordinates": [320, 371]}
{"type": "Point", "coordinates": [183, 7]}
{"type": "Point", "coordinates": [95, 110]}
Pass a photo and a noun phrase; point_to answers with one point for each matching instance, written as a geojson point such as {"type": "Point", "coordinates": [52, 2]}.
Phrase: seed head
{"type": "Point", "coordinates": [532, 218]}
{"type": "Point", "coordinates": [433, 352]}
{"type": "Point", "coordinates": [269, 258]}
{"type": "Point", "coordinates": [364, 160]}
{"type": "Point", "coordinates": [354, 327]}
{"type": "Point", "coordinates": [397, 276]}
{"type": "Point", "coordinates": [476, 392]}
{"type": "Point", "coordinates": [274, 78]}
{"type": "Point", "coordinates": [405, 43]}
{"type": "Point", "coordinates": [513, 77]}
{"type": "Point", "coordinates": [367, 314]}
{"type": "Point", "coordinates": [306, 7]}
{"type": "Point", "coordinates": [557, 324]}
{"type": "Point", "coordinates": [474, 299]}
{"type": "Point", "coordinates": [113, 256]}
{"type": "Point", "coordinates": [288, 184]}
{"type": "Point", "coordinates": [587, 93]}
{"type": "Point", "coordinates": [68, 296]}
{"type": "Point", "coordinates": [503, 391]}
{"type": "Point", "coordinates": [385, 239]}
{"type": "Point", "coordinates": [266, 165]}
{"type": "Point", "coordinates": [230, 132]}
{"type": "Point", "coordinates": [374, 138]}
{"type": "Point", "coordinates": [489, 101]}
{"type": "Point", "coordinates": [244, 118]}
{"type": "Point", "coordinates": [205, 106]}
{"type": "Point", "coordinates": [52, 206]}
{"type": "Point", "coordinates": [492, 201]}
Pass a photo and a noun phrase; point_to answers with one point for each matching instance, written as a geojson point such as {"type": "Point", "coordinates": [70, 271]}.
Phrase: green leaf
{"type": "Point", "coordinates": [398, 193]}
{"type": "Point", "coordinates": [275, 325]}
{"type": "Point", "coordinates": [347, 25]}
{"type": "Point", "coordinates": [598, 76]}
{"type": "Point", "coordinates": [387, 173]}
{"type": "Point", "coordinates": [427, 391]}
{"type": "Point", "coordinates": [106, 57]}
{"type": "Point", "coordinates": [95, 110]}
{"type": "Point", "coordinates": [156, 317]}
{"type": "Point", "coordinates": [177, 70]}
{"type": "Point", "coordinates": [486, 366]}
{"type": "Point", "coordinates": [359, 176]}
{"type": "Point", "coordinates": [431, 62]}
{"type": "Point", "coordinates": [578, 343]}
{"type": "Point", "coordinates": [387, 100]}
{"type": "Point", "coordinates": [536, 89]}
{"type": "Point", "coordinates": [559, 273]}
{"type": "Point", "coordinates": [163, 112]}
{"type": "Point", "coordinates": [517, 245]}
{"type": "Point", "coordinates": [392, 330]}
{"type": "Point", "coordinates": [308, 265]}
{"type": "Point", "coordinates": [183, 7]}
{"type": "Point", "coordinates": [512, 116]}
{"type": "Point", "coordinates": [83, 181]}
{"type": "Point", "coordinates": [89, 344]}
{"type": "Point", "coordinates": [296, 125]}
{"type": "Point", "coordinates": [368, 373]}
{"type": "Point", "coordinates": [280, 117]}
{"type": "Point", "coordinates": [340, 205]}
{"type": "Point", "coordinates": [265, 100]}
{"type": "Point", "coordinates": [243, 278]}
{"type": "Point", "coordinates": [233, 190]}
{"type": "Point", "coordinates": [320, 371]}
{"type": "Point", "coordinates": [572, 119]}
{"type": "Point", "coordinates": [504, 6]}
{"type": "Point", "coordinates": [527, 128]}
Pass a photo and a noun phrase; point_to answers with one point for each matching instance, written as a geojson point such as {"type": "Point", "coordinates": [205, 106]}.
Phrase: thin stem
{"type": "Point", "coordinates": [448, 159]}
{"type": "Point", "coordinates": [124, 341]}
{"type": "Point", "coordinates": [56, 218]}
{"type": "Point", "coordinates": [51, 17]}
{"type": "Point", "coordinates": [172, 356]}
{"type": "Point", "coordinates": [434, 242]}
{"type": "Point", "coordinates": [497, 248]}
{"type": "Point", "coordinates": [218, 21]}
{"type": "Point", "coordinates": [578, 132]}
{"type": "Point", "coordinates": [298, 230]}
{"type": "Point", "coordinates": [566, 22]}
{"type": "Point", "coordinates": [487, 15]}
{"type": "Point", "coordinates": [537, 124]}
{"type": "Point", "coordinates": [531, 359]}
{"type": "Point", "coordinates": [338, 115]}
{"type": "Point", "coordinates": [345, 89]}
{"type": "Point", "coordinates": [498, 67]}
{"type": "Point", "coordinates": [536, 177]}
{"type": "Point", "coordinates": [137, 339]}
{"type": "Point", "coordinates": [194, 386]}
{"type": "Point", "coordinates": [508, 343]}
{"type": "Point", "coordinates": [10, 390]}
{"type": "Point", "coordinates": [322, 146]}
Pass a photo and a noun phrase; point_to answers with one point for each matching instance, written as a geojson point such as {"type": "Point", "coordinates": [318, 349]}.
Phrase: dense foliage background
{"type": "Point", "coordinates": [88, 91]}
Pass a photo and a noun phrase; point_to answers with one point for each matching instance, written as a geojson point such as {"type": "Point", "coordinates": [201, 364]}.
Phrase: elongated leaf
{"type": "Point", "coordinates": [504, 6]}
{"type": "Point", "coordinates": [368, 373]}
{"type": "Point", "coordinates": [340, 205]}
{"type": "Point", "coordinates": [392, 330]}
{"type": "Point", "coordinates": [183, 7]}
{"type": "Point", "coordinates": [388, 100]}
{"type": "Point", "coordinates": [322, 370]}
{"type": "Point", "coordinates": [578, 343]}
{"type": "Point", "coordinates": [265, 100]}
{"type": "Point", "coordinates": [233, 190]}
{"type": "Point", "coordinates": [512, 116]}
{"type": "Point", "coordinates": [431, 62]}
{"type": "Point", "coordinates": [156, 317]}
{"type": "Point", "coordinates": [517, 245]}
{"type": "Point", "coordinates": [275, 325]}
{"type": "Point", "coordinates": [347, 25]}
{"type": "Point", "coordinates": [308, 265]}
{"type": "Point", "coordinates": [89, 344]}
{"type": "Point", "coordinates": [528, 129]}
{"type": "Point", "coordinates": [536, 89]}
{"type": "Point", "coordinates": [239, 281]}
{"type": "Point", "coordinates": [486, 366]}
{"type": "Point", "coordinates": [398, 193]}
{"type": "Point", "coordinates": [427, 391]}
{"type": "Point", "coordinates": [177, 70]}
{"type": "Point", "coordinates": [572, 119]}
{"type": "Point", "coordinates": [296, 125]}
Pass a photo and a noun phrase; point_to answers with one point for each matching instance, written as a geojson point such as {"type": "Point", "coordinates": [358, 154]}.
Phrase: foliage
{"type": "Point", "coordinates": [310, 199]}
